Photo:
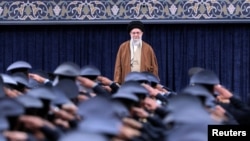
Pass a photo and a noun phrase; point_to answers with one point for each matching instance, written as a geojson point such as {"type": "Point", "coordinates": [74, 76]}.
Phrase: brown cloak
{"type": "Point", "coordinates": [122, 64]}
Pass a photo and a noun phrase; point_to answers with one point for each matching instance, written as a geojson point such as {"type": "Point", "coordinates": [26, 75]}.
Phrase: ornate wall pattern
{"type": "Point", "coordinates": [110, 11]}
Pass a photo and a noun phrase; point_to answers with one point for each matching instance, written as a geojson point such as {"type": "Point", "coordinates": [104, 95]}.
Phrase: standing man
{"type": "Point", "coordinates": [135, 54]}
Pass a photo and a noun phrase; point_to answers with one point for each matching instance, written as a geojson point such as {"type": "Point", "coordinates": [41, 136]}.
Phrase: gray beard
{"type": "Point", "coordinates": [136, 42]}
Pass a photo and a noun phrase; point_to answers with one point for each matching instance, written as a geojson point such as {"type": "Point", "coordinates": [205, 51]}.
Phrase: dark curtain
{"type": "Point", "coordinates": [223, 48]}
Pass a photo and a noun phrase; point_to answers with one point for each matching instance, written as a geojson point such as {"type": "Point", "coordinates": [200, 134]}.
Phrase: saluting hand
{"type": "Point", "coordinates": [140, 112]}
{"type": "Point", "coordinates": [15, 135]}
{"type": "Point", "coordinates": [86, 82]}
{"type": "Point", "coordinates": [152, 92]}
{"type": "Point", "coordinates": [150, 104]}
{"type": "Point", "coordinates": [224, 94]}
{"type": "Point", "coordinates": [104, 80]}
{"type": "Point", "coordinates": [37, 77]}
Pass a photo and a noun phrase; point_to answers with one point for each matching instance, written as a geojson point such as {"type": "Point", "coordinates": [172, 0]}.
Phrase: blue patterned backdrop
{"type": "Point", "coordinates": [119, 11]}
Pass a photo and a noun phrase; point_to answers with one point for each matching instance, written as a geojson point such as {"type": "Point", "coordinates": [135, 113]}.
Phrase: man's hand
{"type": "Point", "coordinates": [63, 115]}
{"type": "Point", "coordinates": [37, 77]}
{"type": "Point", "coordinates": [86, 82]}
{"type": "Point", "coordinates": [70, 108]}
{"type": "Point", "coordinates": [218, 113]}
{"type": "Point", "coordinates": [150, 104]}
{"type": "Point", "coordinates": [152, 92]}
{"type": "Point", "coordinates": [132, 123]}
{"type": "Point", "coordinates": [12, 93]}
{"type": "Point", "coordinates": [161, 88]}
{"type": "Point", "coordinates": [34, 122]}
{"type": "Point", "coordinates": [104, 80]}
{"type": "Point", "coordinates": [140, 112]}
{"type": "Point", "coordinates": [62, 123]}
{"type": "Point", "coordinates": [224, 94]}
{"type": "Point", "coordinates": [15, 135]}
{"type": "Point", "coordinates": [128, 133]}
